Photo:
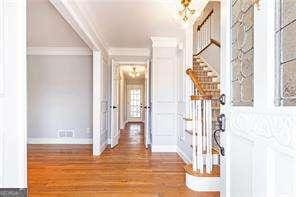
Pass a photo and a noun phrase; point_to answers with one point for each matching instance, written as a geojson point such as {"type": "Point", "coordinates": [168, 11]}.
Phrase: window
{"type": "Point", "coordinates": [242, 63]}
{"type": "Point", "coordinates": [135, 102]}
{"type": "Point", "coordinates": [285, 30]}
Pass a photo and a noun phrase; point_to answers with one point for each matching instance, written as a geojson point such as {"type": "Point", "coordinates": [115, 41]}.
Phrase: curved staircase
{"type": "Point", "coordinates": [199, 175]}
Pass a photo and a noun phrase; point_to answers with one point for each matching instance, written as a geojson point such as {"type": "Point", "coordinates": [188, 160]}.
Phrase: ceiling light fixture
{"type": "Point", "coordinates": [134, 73]}
{"type": "Point", "coordinates": [186, 13]}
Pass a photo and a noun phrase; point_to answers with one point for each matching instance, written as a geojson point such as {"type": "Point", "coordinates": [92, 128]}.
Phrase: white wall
{"type": "Point", "coordinates": [13, 146]}
{"type": "Point", "coordinates": [183, 138]}
{"type": "Point", "coordinates": [47, 28]}
{"type": "Point", "coordinates": [164, 94]}
{"type": "Point", "coordinates": [59, 95]}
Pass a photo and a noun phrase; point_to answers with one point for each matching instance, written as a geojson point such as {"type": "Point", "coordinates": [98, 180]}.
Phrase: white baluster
{"type": "Point", "coordinates": [209, 156]}
{"type": "Point", "coordinates": [204, 136]}
{"type": "Point", "coordinates": [194, 158]}
{"type": "Point", "coordinates": [199, 137]}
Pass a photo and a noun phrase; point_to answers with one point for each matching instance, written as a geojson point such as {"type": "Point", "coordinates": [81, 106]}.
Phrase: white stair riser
{"type": "Point", "coordinates": [203, 184]}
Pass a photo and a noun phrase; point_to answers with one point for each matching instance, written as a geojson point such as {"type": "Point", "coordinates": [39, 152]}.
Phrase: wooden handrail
{"type": "Point", "coordinates": [215, 42]}
{"type": "Point", "coordinates": [203, 22]}
{"type": "Point", "coordinates": [203, 95]}
{"type": "Point", "coordinates": [212, 41]}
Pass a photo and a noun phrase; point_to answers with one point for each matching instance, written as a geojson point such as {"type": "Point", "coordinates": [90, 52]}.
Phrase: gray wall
{"type": "Point", "coordinates": [59, 95]}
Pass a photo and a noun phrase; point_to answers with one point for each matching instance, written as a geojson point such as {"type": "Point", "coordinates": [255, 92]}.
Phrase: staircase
{"type": "Point", "coordinates": [203, 118]}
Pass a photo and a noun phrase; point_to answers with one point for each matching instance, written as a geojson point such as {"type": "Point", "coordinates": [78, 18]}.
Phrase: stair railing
{"type": "Point", "coordinates": [201, 109]}
{"type": "Point", "coordinates": [204, 35]}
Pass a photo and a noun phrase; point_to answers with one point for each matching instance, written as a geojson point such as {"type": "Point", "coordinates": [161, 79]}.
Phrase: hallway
{"type": "Point", "coordinates": [127, 170]}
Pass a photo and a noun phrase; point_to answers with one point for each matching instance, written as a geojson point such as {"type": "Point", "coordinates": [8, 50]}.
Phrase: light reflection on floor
{"type": "Point", "coordinates": [134, 133]}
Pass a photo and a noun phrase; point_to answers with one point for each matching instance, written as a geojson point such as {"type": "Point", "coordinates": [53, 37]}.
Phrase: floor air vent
{"type": "Point", "coordinates": [66, 133]}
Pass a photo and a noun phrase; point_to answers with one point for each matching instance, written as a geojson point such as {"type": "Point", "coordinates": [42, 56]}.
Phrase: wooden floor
{"type": "Point", "coordinates": [127, 170]}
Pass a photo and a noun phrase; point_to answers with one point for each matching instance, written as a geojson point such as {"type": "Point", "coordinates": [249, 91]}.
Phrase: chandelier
{"type": "Point", "coordinates": [186, 13]}
{"type": "Point", "coordinates": [133, 73]}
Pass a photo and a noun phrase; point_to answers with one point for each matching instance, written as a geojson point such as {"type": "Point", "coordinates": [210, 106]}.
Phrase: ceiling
{"type": "Point", "coordinates": [131, 23]}
{"type": "Point", "coordinates": [119, 23]}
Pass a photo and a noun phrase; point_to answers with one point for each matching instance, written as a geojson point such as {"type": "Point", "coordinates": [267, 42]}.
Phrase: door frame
{"type": "Point", "coordinates": [119, 63]}
{"type": "Point", "coordinates": [97, 87]}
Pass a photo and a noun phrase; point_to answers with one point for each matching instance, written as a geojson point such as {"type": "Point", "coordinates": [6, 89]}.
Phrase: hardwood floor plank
{"type": "Point", "coordinates": [127, 170]}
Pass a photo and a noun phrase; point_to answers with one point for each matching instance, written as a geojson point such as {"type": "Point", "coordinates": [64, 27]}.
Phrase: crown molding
{"type": "Point", "coordinates": [137, 52]}
{"type": "Point", "coordinates": [58, 51]}
{"type": "Point", "coordinates": [164, 42]}
{"type": "Point", "coordinates": [77, 18]}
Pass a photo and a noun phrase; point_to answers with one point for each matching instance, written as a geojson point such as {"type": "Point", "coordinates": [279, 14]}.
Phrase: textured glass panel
{"type": "Point", "coordinates": [289, 42]}
{"type": "Point", "coordinates": [289, 79]}
{"type": "Point", "coordinates": [285, 52]}
{"type": "Point", "coordinates": [242, 52]}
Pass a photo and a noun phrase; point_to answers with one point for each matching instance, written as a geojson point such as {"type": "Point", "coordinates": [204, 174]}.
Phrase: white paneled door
{"type": "Point", "coordinates": [115, 132]}
{"type": "Point", "coordinates": [259, 138]}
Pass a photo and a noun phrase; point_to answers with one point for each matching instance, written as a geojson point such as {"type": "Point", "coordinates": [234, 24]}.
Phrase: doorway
{"type": "Point", "coordinates": [130, 98]}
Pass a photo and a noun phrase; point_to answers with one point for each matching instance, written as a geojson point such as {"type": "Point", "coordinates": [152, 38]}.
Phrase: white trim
{"type": "Point", "coordinates": [97, 86]}
{"type": "Point", "coordinates": [164, 42]}
{"type": "Point", "coordinates": [115, 51]}
{"type": "Point", "coordinates": [80, 23]}
{"type": "Point", "coordinates": [2, 46]}
{"type": "Point", "coordinates": [182, 154]}
{"type": "Point", "coordinates": [59, 141]}
{"type": "Point", "coordinates": [203, 184]}
{"type": "Point", "coordinates": [1, 155]}
{"type": "Point", "coordinates": [58, 51]}
{"type": "Point", "coordinates": [164, 148]}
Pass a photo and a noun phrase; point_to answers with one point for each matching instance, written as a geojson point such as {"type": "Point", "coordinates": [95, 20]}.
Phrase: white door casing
{"type": "Point", "coordinates": [147, 105]}
{"type": "Point", "coordinates": [13, 94]}
{"type": "Point", "coordinates": [115, 132]}
{"type": "Point", "coordinates": [260, 141]}
{"type": "Point", "coordinates": [96, 102]}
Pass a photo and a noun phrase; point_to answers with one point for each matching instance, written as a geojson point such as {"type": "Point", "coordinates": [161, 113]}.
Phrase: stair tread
{"type": "Point", "coordinates": [214, 173]}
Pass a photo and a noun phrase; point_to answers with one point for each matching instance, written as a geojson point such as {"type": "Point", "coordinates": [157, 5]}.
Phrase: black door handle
{"type": "Point", "coordinates": [221, 123]}
{"type": "Point", "coordinates": [114, 107]}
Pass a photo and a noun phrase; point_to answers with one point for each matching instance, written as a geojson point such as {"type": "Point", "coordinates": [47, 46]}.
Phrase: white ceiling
{"type": "Point", "coordinates": [131, 23]}
{"type": "Point", "coordinates": [119, 23]}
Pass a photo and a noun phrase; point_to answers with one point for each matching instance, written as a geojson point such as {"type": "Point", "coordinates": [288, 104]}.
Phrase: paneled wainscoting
{"type": "Point", "coordinates": [127, 170]}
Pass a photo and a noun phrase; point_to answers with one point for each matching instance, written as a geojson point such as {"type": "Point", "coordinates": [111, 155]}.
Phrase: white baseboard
{"type": "Point", "coordinates": [185, 158]}
{"type": "Point", "coordinates": [59, 141]}
{"type": "Point", "coordinates": [164, 148]}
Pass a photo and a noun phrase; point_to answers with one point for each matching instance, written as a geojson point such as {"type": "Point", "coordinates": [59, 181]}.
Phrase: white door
{"type": "Point", "coordinates": [115, 132]}
{"type": "Point", "coordinates": [134, 102]}
{"type": "Point", "coordinates": [147, 105]}
{"type": "Point", "coordinates": [259, 138]}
